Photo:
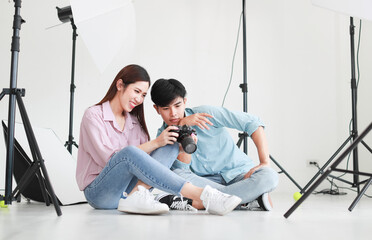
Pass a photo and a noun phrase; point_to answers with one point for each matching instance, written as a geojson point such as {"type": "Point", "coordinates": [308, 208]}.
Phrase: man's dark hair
{"type": "Point", "coordinates": [164, 91]}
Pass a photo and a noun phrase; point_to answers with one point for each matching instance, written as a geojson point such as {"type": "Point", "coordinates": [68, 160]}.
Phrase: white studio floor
{"type": "Point", "coordinates": [318, 217]}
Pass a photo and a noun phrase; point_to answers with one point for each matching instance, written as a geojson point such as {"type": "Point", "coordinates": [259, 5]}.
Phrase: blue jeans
{"type": "Point", "coordinates": [263, 180]}
{"type": "Point", "coordinates": [129, 165]}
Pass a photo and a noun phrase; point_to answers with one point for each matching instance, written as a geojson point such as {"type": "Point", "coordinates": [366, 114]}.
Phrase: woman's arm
{"type": "Point", "coordinates": [166, 137]}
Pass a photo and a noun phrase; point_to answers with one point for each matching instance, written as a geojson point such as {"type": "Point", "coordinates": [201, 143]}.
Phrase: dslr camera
{"type": "Point", "coordinates": [184, 137]}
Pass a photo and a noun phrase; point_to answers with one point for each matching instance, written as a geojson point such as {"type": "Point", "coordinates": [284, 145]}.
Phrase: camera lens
{"type": "Point", "coordinates": [188, 145]}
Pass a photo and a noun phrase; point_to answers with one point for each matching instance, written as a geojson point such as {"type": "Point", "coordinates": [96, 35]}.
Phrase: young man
{"type": "Point", "coordinates": [217, 162]}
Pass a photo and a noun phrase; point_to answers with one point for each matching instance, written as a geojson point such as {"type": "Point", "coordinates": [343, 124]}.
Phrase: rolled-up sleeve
{"type": "Point", "coordinates": [223, 117]}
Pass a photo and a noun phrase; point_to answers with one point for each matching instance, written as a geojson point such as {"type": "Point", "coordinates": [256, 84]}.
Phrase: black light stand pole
{"type": "Point", "coordinates": [15, 48]}
{"type": "Point", "coordinates": [71, 141]}
{"type": "Point", "coordinates": [65, 15]}
{"type": "Point", "coordinates": [354, 130]}
{"type": "Point", "coordinates": [243, 137]}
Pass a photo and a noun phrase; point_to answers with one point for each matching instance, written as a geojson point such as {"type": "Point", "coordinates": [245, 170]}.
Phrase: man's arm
{"type": "Point", "coordinates": [260, 141]}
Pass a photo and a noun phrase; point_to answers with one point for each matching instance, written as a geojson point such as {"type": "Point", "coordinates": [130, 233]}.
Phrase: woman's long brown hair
{"type": "Point", "coordinates": [130, 74]}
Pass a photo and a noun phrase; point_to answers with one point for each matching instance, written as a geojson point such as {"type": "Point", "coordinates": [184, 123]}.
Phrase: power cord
{"type": "Point", "coordinates": [233, 60]}
{"type": "Point", "coordinates": [334, 190]}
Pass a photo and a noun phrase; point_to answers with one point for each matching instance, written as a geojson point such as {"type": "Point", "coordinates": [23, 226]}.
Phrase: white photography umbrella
{"type": "Point", "coordinates": [106, 27]}
{"type": "Point", "coordinates": [355, 8]}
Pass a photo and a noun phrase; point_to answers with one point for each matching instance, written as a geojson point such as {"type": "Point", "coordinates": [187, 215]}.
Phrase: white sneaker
{"type": "Point", "coordinates": [265, 202]}
{"type": "Point", "coordinates": [216, 202]}
{"type": "Point", "coordinates": [262, 203]}
{"type": "Point", "coordinates": [141, 202]}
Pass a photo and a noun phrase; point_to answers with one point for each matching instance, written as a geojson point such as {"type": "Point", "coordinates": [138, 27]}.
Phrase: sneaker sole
{"type": "Point", "coordinates": [232, 205]}
{"type": "Point", "coordinates": [267, 202]}
{"type": "Point", "coordinates": [142, 211]}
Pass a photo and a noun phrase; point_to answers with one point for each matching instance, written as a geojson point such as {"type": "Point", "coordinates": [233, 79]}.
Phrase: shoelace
{"type": "Point", "coordinates": [251, 205]}
{"type": "Point", "coordinates": [179, 205]}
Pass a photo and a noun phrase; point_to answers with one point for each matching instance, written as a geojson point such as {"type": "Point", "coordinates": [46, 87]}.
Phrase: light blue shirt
{"type": "Point", "coordinates": [217, 152]}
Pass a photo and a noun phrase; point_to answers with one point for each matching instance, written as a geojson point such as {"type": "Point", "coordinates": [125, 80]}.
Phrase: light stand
{"type": "Point", "coordinates": [15, 95]}
{"type": "Point", "coordinates": [353, 147]}
{"type": "Point", "coordinates": [243, 137]}
{"type": "Point", "coordinates": [65, 15]}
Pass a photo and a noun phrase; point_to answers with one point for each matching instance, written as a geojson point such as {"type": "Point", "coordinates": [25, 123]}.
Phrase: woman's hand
{"type": "Point", "coordinates": [197, 119]}
{"type": "Point", "coordinates": [167, 136]}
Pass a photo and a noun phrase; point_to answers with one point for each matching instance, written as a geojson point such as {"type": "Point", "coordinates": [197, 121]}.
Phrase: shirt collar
{"type": "Point", "coordinates": [108, 115]}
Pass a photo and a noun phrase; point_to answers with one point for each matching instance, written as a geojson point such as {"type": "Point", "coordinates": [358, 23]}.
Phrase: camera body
{"type": "Point", "coordinates": [184, 137]}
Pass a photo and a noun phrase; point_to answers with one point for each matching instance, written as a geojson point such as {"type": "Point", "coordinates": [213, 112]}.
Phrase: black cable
{"type": "Point", "coordinates": [357, 59]}
{"type": "Point", "coordinates": [334, 190]}
{"type": "Point", "coordinates": [233, 60]}
{"type": "Point", "coordinates": [368, 196]}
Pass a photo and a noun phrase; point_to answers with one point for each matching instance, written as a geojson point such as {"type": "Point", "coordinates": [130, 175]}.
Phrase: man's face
{"type": "Point", "coordinates": [174, 112]}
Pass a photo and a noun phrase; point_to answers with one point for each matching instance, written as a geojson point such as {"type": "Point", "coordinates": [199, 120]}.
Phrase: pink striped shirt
{"type": "Point", "coordinates": [100, 138]}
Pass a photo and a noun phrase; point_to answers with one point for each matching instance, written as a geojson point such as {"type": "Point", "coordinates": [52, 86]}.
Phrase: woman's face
{"type": "Point", "coordinates": [132, 95]}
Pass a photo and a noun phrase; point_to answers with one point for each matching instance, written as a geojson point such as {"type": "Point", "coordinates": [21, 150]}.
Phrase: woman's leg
{"type": "Point", "coordinates": [105, 191]}
{"type": "Point", "coordinates": [131, 162]}
{"type": "Point", "coordinates": [165, 155]}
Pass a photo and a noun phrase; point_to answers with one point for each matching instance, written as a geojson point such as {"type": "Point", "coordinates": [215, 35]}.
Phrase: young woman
{"type": "Point", "coordinates": [116, 156]}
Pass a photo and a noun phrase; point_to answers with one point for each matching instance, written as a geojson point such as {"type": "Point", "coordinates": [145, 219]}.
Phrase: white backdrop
{"type": "Point", "coordinates": [298, 70]}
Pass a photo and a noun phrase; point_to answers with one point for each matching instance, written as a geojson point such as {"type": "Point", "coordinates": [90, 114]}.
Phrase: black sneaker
{"type": "Point", "coordinates": [175, 202]}
{"type": "Point", "coordinates": [262, 203]}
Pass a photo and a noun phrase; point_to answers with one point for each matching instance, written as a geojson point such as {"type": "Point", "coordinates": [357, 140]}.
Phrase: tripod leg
{"type": "Point", "coordinates": [26, 179]}
{"type": "Point", "coordinates": [326, 164]}
{"type": "Point", "coordinates": [306, 194]}
{"type": "Point", "coordinates": [10, 150]}
{"type": "Point", "coordinates": [360, 195]}
{"type": "Point", "coordinates": [36, 152]}
{"type": "Point", "coordinates": [368, 148]}
{"type": "Point", "coordinates": [333, 166]}
{"type": "Point", "coordinates": [285, 172]}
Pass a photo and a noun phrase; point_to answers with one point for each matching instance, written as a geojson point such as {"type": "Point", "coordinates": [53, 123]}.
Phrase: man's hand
{"type": "Point", "coordinates": [197, 119]}
{"type": "Point", "coordinates": [183, 156]}
{"type": "Point", "coordinates": [249, 174]}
